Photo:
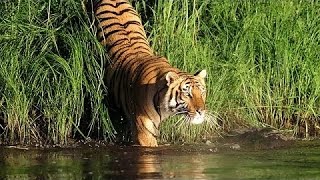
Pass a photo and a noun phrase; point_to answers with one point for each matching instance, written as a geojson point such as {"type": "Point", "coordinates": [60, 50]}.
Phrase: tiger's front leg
{"type": "Point", "coordinates": [145, 133]}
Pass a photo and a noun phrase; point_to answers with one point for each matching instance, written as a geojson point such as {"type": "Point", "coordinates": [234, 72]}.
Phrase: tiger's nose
{"type": "Point", "coordinates": [200, 111]}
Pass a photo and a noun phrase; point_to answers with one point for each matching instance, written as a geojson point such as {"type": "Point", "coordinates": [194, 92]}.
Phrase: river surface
{"type": "Point", "coordinates": [166, 162]}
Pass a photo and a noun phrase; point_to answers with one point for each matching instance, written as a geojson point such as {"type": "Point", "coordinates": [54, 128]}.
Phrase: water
{"type": "Point", "coordinates": [176, 162]}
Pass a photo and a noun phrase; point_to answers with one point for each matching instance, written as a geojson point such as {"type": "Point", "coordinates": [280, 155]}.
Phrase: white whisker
{"type": "Point", "coordinates": [212, 120]}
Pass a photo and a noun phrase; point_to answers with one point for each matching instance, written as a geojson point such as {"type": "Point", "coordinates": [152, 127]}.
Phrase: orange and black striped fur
{"type": "Point", "coordinates": [143, 88]}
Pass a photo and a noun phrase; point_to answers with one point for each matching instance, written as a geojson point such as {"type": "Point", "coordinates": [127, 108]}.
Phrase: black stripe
{"type": "Point", "coordinates": [134, 54]}
{"type": "Point", "coordinates": [138, 38]}
{"type": "Point", "coordinates": [126, 33]}
{"type": "Point", "coordinates": [156, 100]}
{"type": "Point", "coordinates": [163, 66]}
{"type": "Point", "coordinates": [142, 67]}
{"type": "Point", "coordinates": [150, 118]}
{"type": "Point", "coordinates": [116, 43]}
{"type": "Point", "coordinates": [161, 75]}
{"type": "Point", "coordinates": [145, 112]}
{"type": "Point", "coordinates": [119, 41]}
{"type": "Point", "coordinates": [114, 6]}
{"type": "Point", "coordinates": [121, 50]}
{"type": "Point", "coordinates": [131, 10]}
{"type": "Point", "coordinates": [151, 68]}
{"type": "Point", "coordinates": [141, 70]}
{"type": "Point", "coordinates": [115, 54]}
{"type": "Point", "coordinates": [124, 74]}
{"type": "Point", "coordinates": [143, 45]}
{"type": "Point", "coordinates": [171, 93]}
{"type": "Point", "coordinates": [125, 25]}
{"type": "Point", "coordinates": [118, 56]}
{"type": "Point", "coordinates": [100, 20]}
{"type": "Point", "coordinates": [106, 35]}
{"type": "Point", "coordinates": [181, 73]}
{"type": "Point", "coordinates": [138, 42]}
{"type": "Point", "coordinates": [146, 65]}
{"type": "Point", "coordinates": [126, 62]}
{"type": "Point", "coordinates": [140, 33]}
{"type": "Point", "coordinates": [119, 68]}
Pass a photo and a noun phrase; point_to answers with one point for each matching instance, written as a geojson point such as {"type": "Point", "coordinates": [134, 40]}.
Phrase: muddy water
{"type": "Point", "coordinates": [177, 162]}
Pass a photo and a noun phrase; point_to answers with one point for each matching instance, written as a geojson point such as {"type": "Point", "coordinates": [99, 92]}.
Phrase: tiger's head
{"type": "Point", "coordinates": [186, 95]}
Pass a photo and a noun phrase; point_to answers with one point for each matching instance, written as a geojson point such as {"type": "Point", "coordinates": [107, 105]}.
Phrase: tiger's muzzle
{"type": "Point", "coordinates": [197, 117]}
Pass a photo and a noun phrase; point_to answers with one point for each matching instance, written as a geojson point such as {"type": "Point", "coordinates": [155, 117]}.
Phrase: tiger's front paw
{"type": "Point", "coordinates": [147, 140]}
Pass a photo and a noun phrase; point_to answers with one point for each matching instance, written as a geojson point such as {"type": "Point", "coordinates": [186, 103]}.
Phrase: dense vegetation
{"type": "Point", "coordinates": [262, 58]}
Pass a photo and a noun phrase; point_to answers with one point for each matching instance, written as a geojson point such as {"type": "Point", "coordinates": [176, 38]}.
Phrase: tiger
{"type": "Point", "coordinates": [143, 88]}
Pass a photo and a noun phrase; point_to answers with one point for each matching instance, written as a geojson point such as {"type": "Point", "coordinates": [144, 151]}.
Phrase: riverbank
{"type": "Point", "coordinates": [252, 139]}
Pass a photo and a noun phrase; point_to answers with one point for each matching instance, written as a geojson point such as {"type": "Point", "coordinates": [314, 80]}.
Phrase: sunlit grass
{"type": "Point", "coordinates": [50, 63]}
{"type": "Point", "coordinates": [262, 60]}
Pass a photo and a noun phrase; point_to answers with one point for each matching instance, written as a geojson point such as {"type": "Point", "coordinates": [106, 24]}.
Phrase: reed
{"type": "Point", "coordinates": [50, 64]}
{"type": "Point", "coordinates": [262, 59]}
{"type": "Point", "coordinates": [261, 56]}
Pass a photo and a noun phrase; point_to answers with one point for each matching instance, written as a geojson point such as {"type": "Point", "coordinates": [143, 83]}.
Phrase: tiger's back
{"type": "Point", "coordinates": [120, 30]}
{"type": "Point", "coordinates": [143, 88]}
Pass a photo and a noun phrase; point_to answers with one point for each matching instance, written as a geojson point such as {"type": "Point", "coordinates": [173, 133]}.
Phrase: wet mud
{"type": "Point", "coordinates": [244, 139]}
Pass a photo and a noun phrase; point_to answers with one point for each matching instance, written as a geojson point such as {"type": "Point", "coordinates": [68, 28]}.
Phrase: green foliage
{"type": "Point", "coordinates": [261, 56]}
{"type": "Point", "coordinates": [50, 62]}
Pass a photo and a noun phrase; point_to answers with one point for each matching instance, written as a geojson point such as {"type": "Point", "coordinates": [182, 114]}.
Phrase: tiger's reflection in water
{"type": "Point", "coordinates": [150, 164]}
{"type": "Point", "coordinates": [111, 163]}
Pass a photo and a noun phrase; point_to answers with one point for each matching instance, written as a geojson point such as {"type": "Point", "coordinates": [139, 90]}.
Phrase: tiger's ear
{"type": "Point", "coordinates": [202, 74]}
{"type": "Point", "coordinates": [170, 77]}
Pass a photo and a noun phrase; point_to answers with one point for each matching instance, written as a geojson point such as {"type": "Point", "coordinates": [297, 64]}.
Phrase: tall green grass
{"type": "Point", "coordinates": [262, 58]}
{"type": "Point", "coordinates": [50, 63]}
